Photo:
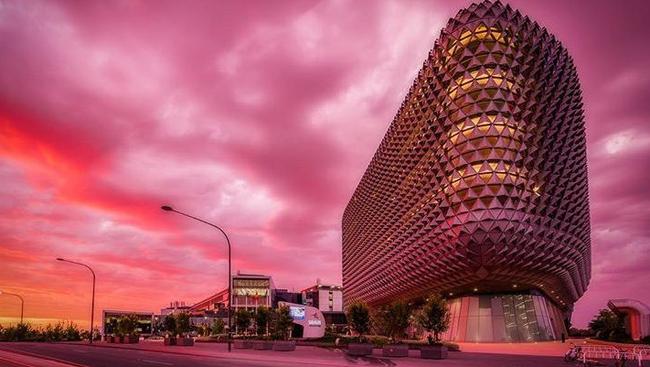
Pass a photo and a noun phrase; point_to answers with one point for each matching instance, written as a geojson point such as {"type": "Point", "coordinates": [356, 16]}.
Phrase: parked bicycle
{"type": "Point", "coordinates": [573, 354]}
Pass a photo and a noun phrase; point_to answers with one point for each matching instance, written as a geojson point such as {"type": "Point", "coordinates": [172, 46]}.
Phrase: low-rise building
{"type": "Point", "coordinates": [110, 319]}
{"type": "Point", "coordinates": [329, 300]}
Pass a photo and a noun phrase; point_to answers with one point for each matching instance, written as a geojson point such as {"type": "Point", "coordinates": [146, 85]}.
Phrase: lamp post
{"type": "Point", "coordinates": [22, 303]}
{"type": "Point", "coordinates": [170, 209]}
{"type": "Point", "coordinates": [92, 307]}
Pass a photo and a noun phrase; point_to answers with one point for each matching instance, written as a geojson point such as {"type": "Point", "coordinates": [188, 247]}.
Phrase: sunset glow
{"type": "Point", "coordinates": [261, 117]}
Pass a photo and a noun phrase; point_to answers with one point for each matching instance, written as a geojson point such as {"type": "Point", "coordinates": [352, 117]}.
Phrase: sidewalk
{"type": "Point", "coordinates": [497, 355]}
{"type": "Point", "coordinates": [303, 355]}
{"type": "Point", "coordinates": [550, 348]}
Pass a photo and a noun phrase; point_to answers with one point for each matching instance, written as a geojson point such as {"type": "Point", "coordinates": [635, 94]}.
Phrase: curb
{"type": "Point", "coordinates": [48, 358]}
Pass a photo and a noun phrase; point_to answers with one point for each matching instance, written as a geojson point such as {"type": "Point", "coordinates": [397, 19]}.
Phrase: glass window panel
{"type": "Point", "coordinates": [512, 334]}
{"type": "Point", "coordinates": [497, 306]}
{"type": "Point", "coordinates": [485, 328]}
{"type": "Point", "coordinates": [473, 306]}
{"type": "Point", "coordinates": [499, 329]}
{"type": "Point", "coordinates": [472, 329]}
{"type": "Point", "coordinates": [462, 322]}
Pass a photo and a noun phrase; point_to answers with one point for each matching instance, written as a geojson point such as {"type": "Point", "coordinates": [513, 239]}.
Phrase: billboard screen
{"type": "Point", "coordinates": [297, 313]}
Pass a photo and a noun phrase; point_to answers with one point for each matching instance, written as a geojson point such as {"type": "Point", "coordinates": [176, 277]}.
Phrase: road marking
{"type": "Point", "coordinates": [41, 357]}
{"type": "Point", "coordinates": [157, 362]}
{"type": "Point", "coordinates": [80, 350]}
{"type": "Point", "coordinates": [14, 362]}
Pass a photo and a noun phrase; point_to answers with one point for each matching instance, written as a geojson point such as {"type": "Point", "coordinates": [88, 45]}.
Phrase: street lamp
{"type": "Point", "coordinates": [170, 209]}
{"type": "Point", "coordinates": [22, 303]}
{"type": "Point", "coordinates": [92, 307]}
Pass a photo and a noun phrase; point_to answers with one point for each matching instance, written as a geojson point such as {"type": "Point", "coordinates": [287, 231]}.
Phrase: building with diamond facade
{"type": "Point", "coordinates": [478, 191]}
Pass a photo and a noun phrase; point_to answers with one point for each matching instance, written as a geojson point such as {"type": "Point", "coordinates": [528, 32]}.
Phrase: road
{"type": "Point", "coordinates": [143, 356]}
{"type": "Point", "coordinates": [107, 357]}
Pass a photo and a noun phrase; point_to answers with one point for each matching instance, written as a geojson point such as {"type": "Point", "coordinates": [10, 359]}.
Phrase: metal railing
{"type": "Point", "coordinates": [586, 353]}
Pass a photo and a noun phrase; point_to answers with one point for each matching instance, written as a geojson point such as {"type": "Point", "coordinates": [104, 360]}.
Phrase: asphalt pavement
{"type": "Point", "coordinates": [153, 355]}
{"type": "Point", "coordinates": [108, 357]}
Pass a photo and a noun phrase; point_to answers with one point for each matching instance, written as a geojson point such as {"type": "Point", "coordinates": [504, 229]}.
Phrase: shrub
{"type": "Point", "coordinates": [281, 323]}
{"type": "Point", "coordinates": [169, 325]}
{"type": "Point", "coordinates": [218, 326]}
{"type": "Point", "coordinates": [378, 340]}
{"type": "Point", "coordinates": [434, 317]}
{"type": "Point", "coordinates": [358, 318]}
{"type": "Point", "coordinates": [393, 320]}
{"type": "Point", "coordinates": [242, 320]}
{"type": "Point", "coordinates": [262, 316]}
{"type": "Point", "coordinates": [183, 323]}
{"type": "Point", "coordinates": [72, 332]}
{"type": "Point", "coordinates": [128, 324]}
{"type": "Point", "coordinates": [50, 333]}
{"type": "Point", "coordinates": [53, 333]}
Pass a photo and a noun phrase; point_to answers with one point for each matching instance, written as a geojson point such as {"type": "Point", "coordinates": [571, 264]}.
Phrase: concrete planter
{"type": "Point", "coordinates": [433, 352]}
{"type": "Point", "coordinates": [242, 344]}
{"type": "Point", "coordinates": [284, 345]}
{"type": "Point", "coordinates": [185, 341]}
{"type": "Point", "coordinates": [130, 339]}
{"type": "Point", "coordinates": [360, 349]}
{"type": "Point", "coordinates": [170, 341]}
{"type": "Point", "coordinates": [396, 350]}
{"type": "Point", "coordinates": [262, 344]}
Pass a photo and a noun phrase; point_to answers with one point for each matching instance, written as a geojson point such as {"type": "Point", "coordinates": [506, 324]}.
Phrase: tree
{"type": "Point", "coordinates": [281, 323]}
{"type": "Point", "coordinates": [183, 323]}
{"type": "Point", "coordinates": [169, 323]}
{"type": "Point", "coordinates": [262, 316]}
{"type": "Point", "coordinates": [434, 317]}
{"type": "Point", "coordinates": [218, 326]}
{"type": "Point", "coordinates": [607, 325]}
{"type": "Point", "coordinates": [359, 318]}
{"type": "Point", "coordinates": [242, 320]}
{"type": "Point", "coordinates": [393, 320]}
{"type": "Point", "coordinates": [128, 324]}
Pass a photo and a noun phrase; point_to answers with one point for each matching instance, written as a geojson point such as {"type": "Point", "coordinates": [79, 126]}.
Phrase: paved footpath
{"type": "Point", "coordinates": [151, 353]}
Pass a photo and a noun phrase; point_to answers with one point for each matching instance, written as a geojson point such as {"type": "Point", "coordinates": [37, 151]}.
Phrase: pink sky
{"type": "Point", "coordinates": [261, 117]}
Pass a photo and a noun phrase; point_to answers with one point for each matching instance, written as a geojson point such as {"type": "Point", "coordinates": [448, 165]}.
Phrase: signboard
{"type": "Point", "coordinates": [297, 313]}
{"type": "Point", "coordinates": [251, 283]}
{"type": "Point", "coordinates": [315, 322]}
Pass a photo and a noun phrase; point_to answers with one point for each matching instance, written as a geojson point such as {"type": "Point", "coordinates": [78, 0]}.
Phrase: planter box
{"type": "Point", "coordinates": [396, 350]}
{"type": "Point", "coordinates": [170, 341]}
{"type": "Point", "coordinates": [130, 339]}
{"type": "Point", "coordinates": [360, 349]}
{"type": "Point", "coordinates": [262, 345]}
{"type": "Point", "coordinates": [242, 344]}
{"type": "Point", "coordinates": [185, 342]}
{"type": "Point", "coordinates": [112, 339]}
{"type": "Point", "coordinates": [433, 352]}
{"type": "Point", "coordinates": [284, 345]}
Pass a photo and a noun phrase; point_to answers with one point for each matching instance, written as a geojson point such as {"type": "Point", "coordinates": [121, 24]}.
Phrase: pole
{"type": "Point", "coordinates": [92, 304]}
{"type": "Point", "coordinates": [22, 303]}
{"type": "Point", "coordinates": [170, 209]}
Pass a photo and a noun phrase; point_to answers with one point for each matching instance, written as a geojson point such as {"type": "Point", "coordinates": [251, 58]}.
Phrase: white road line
{"type": "Point", "coordinates": [157, 362]}
{"type": "Point", "coordinates": [17, 363]}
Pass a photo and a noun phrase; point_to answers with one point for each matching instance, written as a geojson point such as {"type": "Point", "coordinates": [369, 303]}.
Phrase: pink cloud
{"type": "Point", "coordinates": [260, 117]}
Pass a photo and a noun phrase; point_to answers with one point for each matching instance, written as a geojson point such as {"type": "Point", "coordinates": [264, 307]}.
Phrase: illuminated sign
{"type": "Point", "coordinates": [297, 313]}
{"type": "Point", "coordinates": [251, 283]}
{"type": "Point", "coordinates": [316, 322]}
